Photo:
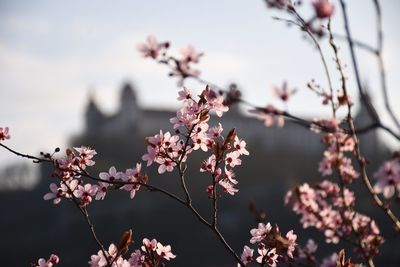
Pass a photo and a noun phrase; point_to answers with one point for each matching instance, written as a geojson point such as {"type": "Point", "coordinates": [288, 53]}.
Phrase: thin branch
{"type": "Point", "coordinates": [368, 105]}
{"type": "Point", "coordinates": [35, 159]}
{"type": "Point", "coordinates": [361, 160]}
{"type": "Point", "coordinates": [85, 214]}
{"type": "Point", "coordinates": [357, 43]}
{"type": "Point", "coordinates": [381, 63]}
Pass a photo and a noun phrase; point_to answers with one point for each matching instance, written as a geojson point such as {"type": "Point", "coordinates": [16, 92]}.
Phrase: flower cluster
{"type": "Point", "coordinates": [53, 260]}
{"type": "Point", "coordinates": [388, 177]}
{"type": "Point", "coordinates": [71, 168]}
{"type": "Point", "coordinates": [4, 133]}
{"type": "Point", "coordinates": [129, 180]}
{"type": "Point", "coordinates": [330, 211]}
{"type": "Point", "coordinates": [181, 66]}
{"type": "Point", "coordinates": [271, 245]}
{"type": "Point", "coordinates": [68, 170]}
{"type": "Point", "coordinates": [191, 122]}
{"type": "Point", "coordinates": [150, 254]}
{"type": "Point", "coordinates": [226, 152]}
{"type": "Point", "coordinates": [338, 143]}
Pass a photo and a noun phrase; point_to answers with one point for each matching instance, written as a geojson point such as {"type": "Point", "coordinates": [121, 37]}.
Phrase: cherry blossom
{"type": "Point", "coordinates": [58, 192]}
{"type": "Point", "coordinates": [4, 133]}
{"type": "Point", "coordinates": [85, 156]}
{"type": "Point", "coordinates": [85, 193]}
{"type": "Point", "coordinates": [136, 259]}
{"type": "Point", "coordinates": [132, 176]}
{"type": "Point", "coordinates": [247, 255]}
{"type": "Point", "coordinates": [165, 251]}
{"type": "Point", "coordinates": [323, 207]}
{"type": "Point", "coordinates": [258, 234]}
{"type": "Point", "coordinates": [189, 54]}
{"type": "Point", "coordinates": [267, 256]}
{"type": "Point", "coordinates": [291, 237]}
{"type": "Point", "coordinates": [111, 176]}
{"type": "Point", "coordinates": [101, 190]}
{"type": "Point", "coordinates": [209, 164]}
{"type": "Point", "coordinates": [152, 48]}
{"type": "Point", "coordinates": [388, 178]}
{"type": "Point", "coordinates": [228, 187]}
{"type": "Point", "coordinates": [215, 132]}
{"type": "Point", "coordinates": [284, 92]}
{"type": "Point", "coordinates": [232, 159]}
{"type": "Point", "coordinates": [184, 94]}
{"type": "Point", "coordinates": [53, 260]}
{"type": "Point", "coordinates": [240, 145]}
{"type": "Point", "coordinates": [149, 245]}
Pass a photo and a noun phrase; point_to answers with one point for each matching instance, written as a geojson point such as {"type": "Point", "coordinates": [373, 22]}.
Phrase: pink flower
{"type": "Point", "coordinates": [283, 93]}
{"type": "Point", "coordinates": [55, 194]}
{"type": "Point", "coordinates": [85, 156]}
{"type": "Point", "coordinates": [99, 260]}
{"type": "Point", "coordinates": [247, 255]}
{"type": "Point", "coordinates": [184, 94]}
{"type": "Point", "coordinates": [101, 190]}
{"type": "Point", "coordinates": [131, 176]}
{"type": "Point", "coordinates": [189, 54]}
{"type": "Point", "coordinates": [85, 193]}
{"type": "Point", "coordinates": [240, 146]}
{"type": "Point", "coordinates": [232, 159]}
{"type": "Point", "coordinates": [291, 237]}
{"type": "Point", "coordinates": [200, 140]}
{"type": "Point", "coordinates": [53, 260]}
{"type": "Point", "coordinates": [4, 133]}
{"type": "Point", "coordinates": [111, 176]}
{"type": "Point", "coordinates": [151, 48]}
{"type": "Point", "coordinates": [150, 156]}
{"type": "Point", "coordinates": [65, 190]}
{"type": "Point", "coordinates": [258, 234]}
{"type": "Point", "coordinates": [323, 8]}
{"type": "Point", "coordinates": [267, 256]}
{"type": "Point", "coordinates": [166, 165]}
{"type": "Point", "coordinates": [215, 132]}
{"type": "Point", "coordinates": [215, 102]}
{"type": "Point", "coordinates": [388, 178]}
{"type": "Point", "coordinates": [209, 164]}
{"type": "Point", "coordinates": [228, 175]}
{"type": "Point", "coordinates": [149, 245]}
{"type": "Point", "coordinates": [136, 259]}
{"type": "Point", "coordinates": [165, 251]}
{"type": "Point", "coordinates": [228, 187]}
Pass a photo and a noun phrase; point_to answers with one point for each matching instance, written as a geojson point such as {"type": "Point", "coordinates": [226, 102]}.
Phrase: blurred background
{"type": "Point", "coordinates": [70, 74]}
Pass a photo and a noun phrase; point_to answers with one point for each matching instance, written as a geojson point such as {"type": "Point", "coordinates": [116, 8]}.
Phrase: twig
{"type": "Point", "coordinates": [369, 106]}
{"type": "Point", "coordinates": [35, 159]}
{"type": "Point", "coordinates": [381, 63]}
{"type": "Point", "coordinates": [85, 214]}
{"type": "Point", "coordinates": [360, 158]}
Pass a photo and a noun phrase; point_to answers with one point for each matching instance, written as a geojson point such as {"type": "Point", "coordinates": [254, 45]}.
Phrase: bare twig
{"type": "Point", "coordinates": [381, 63]}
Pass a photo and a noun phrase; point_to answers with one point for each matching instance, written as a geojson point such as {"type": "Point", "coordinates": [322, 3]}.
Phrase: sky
{"type": "Point", "coordinates": [53, 53]}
